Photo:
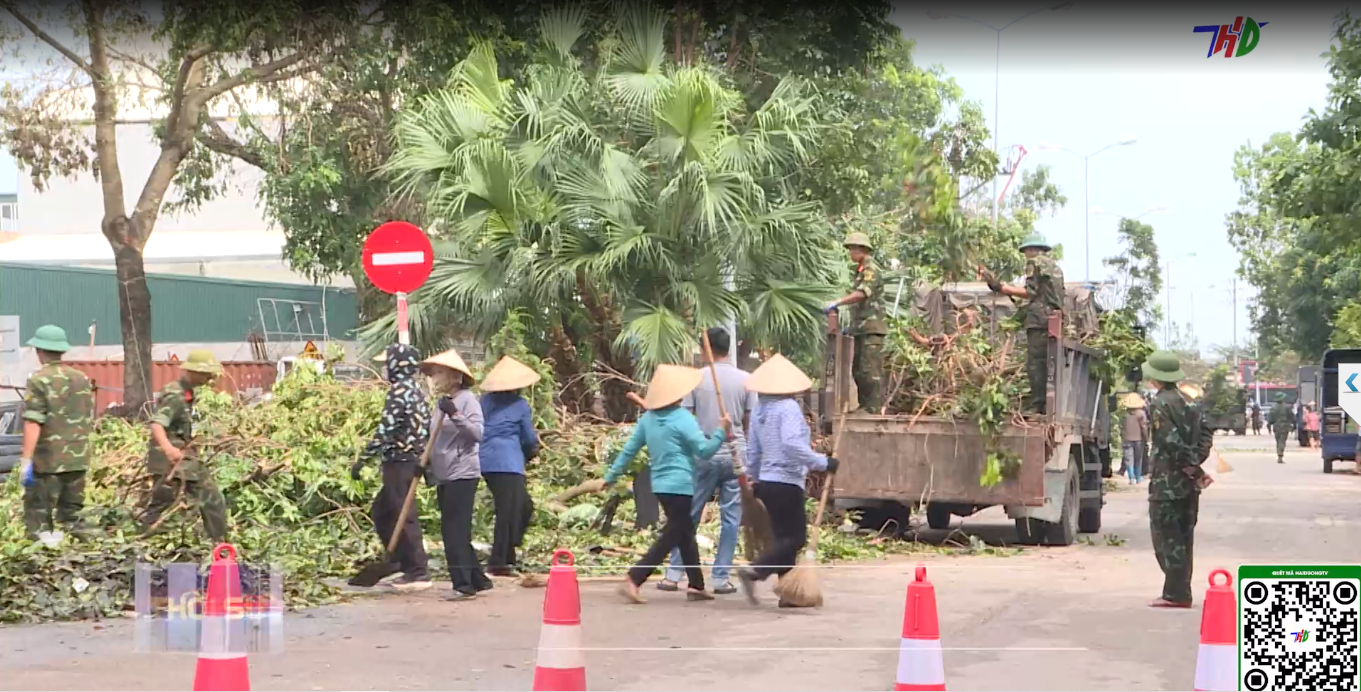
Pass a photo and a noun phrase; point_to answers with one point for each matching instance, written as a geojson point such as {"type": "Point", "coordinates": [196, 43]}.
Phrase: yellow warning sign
{"type": "Point", "coordinates": [310, 351]}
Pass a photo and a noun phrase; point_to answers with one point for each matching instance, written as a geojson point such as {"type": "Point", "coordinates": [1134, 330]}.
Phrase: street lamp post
{"type": "Point", "coordinates": [1086, 193]}
{"type": "Point", "coordinates": [997, 77]}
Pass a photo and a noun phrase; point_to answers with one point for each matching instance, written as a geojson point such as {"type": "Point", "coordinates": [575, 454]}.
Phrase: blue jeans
{"type": "Point", "coordinates": [715, 474]}
{"type": "Point", "coordinates": [1134, 461]}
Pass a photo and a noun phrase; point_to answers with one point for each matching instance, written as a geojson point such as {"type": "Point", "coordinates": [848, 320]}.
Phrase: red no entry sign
{"type": "Point", "coordinates": [398, 257]}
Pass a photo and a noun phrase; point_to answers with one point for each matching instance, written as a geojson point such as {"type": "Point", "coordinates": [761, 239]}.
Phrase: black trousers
{"type": "Point", "coordinates": [647, 512]}
{"type": "Point", "coordinates": [677, 532]}
{"type": "Point", "coordinates": [514, 509]}
{"type": "Point", "coordinates": [784, 502]}
{"type": "Point", "coordinates": [456, 499]}
{"type": "Point", "coordinates": [410, 553]}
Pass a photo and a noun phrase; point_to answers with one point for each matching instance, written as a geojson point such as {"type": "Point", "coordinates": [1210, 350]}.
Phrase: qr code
{"type": "Point", "coordinates": [1299, 634]}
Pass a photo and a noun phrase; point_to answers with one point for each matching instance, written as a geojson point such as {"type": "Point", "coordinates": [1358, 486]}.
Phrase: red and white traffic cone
{"type": "Point", "coordinates": [1217, 660]}
{"type": "Point", "coordinates": [562, 664]}
{"type": "Point", "coordinates": [920, 662]}
{"type": "Point", "coordinates": [222, 637]}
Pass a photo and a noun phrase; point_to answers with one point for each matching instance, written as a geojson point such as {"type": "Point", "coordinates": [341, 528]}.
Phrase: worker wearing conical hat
{"type": "Point", "coordinates": [456, 468]}
{"type": "Point", "coordinates": [176, 469]}
{"type": "Point", "coordinates": [508, 441]}
{"type": "Point", "coordinates": [674, 440]}
{"type": "Point", "coordinates": [869, 322]}
{"type": "Point", "coordinates": [779, 457]}
{"type": "Point", "coordinates": [1134, 439]}
{"type": "Point", "coordinates": [1043, 294]}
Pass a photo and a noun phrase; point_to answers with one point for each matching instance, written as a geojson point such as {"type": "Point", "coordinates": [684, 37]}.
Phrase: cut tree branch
{"type": "Point", "coordinates": [45, 37]}
{"type": "Point", "coordinates": [254, 73]}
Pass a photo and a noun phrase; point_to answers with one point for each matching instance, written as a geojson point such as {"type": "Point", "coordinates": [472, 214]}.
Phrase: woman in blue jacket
{"type": "Point", "coordinates": [508, 441]}
{"type": "Point", "coordinates": [674, 440]}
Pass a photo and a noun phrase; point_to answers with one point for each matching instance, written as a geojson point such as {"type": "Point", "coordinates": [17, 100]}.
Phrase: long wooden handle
{"type": "Point", "coordinates": [411, 491]}
{"type": "Point", "coordinates": [633, 396]}
{"type": "Point", "coordinates": [827, 482]}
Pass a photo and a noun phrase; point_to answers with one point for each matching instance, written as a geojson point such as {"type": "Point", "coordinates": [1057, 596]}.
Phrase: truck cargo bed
{"type": "Point", "coordinates": [935, 459]}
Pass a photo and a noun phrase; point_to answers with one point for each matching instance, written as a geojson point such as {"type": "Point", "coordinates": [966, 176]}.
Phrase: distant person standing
{"type": "Point", "coordinates": [1135, 432]}
{"type": "Point", "coordinates": [1281, 420]}
{"type": "Point", "coordinates": [1256, 419]}
{"type": "Point", "coordinates": [58, 416]}
{"type": "Point", "coordinates": [1312, 425]}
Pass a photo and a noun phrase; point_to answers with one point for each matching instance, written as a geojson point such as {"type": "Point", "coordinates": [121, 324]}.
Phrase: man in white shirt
{"type": "Point", "coordinates": [718, 474]}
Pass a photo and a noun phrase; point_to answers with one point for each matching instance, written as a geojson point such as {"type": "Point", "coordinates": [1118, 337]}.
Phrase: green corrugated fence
{"type": "Point", "coordinates": [184, 309]}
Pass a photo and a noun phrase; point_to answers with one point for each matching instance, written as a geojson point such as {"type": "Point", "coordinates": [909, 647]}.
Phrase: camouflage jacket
{"type": "Point", "coordinates": [869, 315]}
{"type": "Point", "coordinates": [1181, 442]}
{"type": "Point", "coordinates": [175, 413]}
{"type": "Point", "coordinates": [60, 400]}
{"type": "Point", "coordinates": [1281, 416]}
{"type": "Point", "coordinates": [1044, 284]}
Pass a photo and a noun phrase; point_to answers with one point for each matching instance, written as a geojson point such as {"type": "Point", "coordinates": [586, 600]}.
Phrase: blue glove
{"type": "Point", "coordinates": [831, 308]}
{"type": "Point", "coordinates": [26, 473]}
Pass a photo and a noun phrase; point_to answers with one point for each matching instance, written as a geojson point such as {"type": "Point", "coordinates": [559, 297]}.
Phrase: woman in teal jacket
{"type": "Point", "coordinates": [674, 440]}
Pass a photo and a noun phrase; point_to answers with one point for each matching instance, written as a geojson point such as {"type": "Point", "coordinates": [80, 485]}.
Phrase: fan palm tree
{"type": "Point", "coordinates": [613, 185]}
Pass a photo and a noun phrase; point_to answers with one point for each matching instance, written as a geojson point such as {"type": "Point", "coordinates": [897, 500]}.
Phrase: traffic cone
{"type": "Point", "coordinates": [1217, 660]}
{"type": "Point", "coordinates": [562, 664]}
{"type": "Point", "coordinates": [222, 638]}
{"type": "Point", "coordinates": [920, 664]}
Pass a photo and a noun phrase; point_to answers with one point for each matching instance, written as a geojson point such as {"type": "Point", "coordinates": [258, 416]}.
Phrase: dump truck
{"type": "Point", "coordinates": [893, 464]}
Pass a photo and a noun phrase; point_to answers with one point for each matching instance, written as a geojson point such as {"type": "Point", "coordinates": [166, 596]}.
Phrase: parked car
{"type": "Point", "coordinates": [11, 435]}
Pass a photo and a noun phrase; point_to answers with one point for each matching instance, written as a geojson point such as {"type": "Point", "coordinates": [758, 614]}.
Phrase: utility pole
{"type": "Point", "coordinates": [1167, 319]}
{"type": "Point", "coordinates": [1235, 325]}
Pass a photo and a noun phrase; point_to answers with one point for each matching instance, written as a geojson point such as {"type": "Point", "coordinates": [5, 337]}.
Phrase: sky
{"type": "Point", "coordinates": [1094, 74]}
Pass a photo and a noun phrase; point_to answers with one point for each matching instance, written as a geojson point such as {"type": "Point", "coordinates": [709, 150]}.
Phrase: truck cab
{"type": "Point", "coordinates": [1338, 432]}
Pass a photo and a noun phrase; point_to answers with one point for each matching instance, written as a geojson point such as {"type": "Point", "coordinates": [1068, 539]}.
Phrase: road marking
{"type": "Point", "coordinates": [387, 259]}
{"type": "Point", "coordinates": [820, 648]}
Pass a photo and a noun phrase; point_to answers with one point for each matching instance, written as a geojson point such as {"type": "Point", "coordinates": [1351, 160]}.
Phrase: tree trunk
{"type": "Point", "coordinates": [134, 318]}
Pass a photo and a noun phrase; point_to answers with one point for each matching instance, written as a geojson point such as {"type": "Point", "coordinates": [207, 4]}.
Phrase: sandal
{"type": "Point", "coordinates": [668, 585]}
{"type": "Point", "coordinates": [629, 590]}
{"type": "Point", "coordinates": [1164, 603]}
{"type": "Point", "coordinates": [698, 595]}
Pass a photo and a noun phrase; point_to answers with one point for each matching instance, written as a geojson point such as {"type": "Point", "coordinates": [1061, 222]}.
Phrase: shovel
{"type": "Point", "coordinates": [374, 572]}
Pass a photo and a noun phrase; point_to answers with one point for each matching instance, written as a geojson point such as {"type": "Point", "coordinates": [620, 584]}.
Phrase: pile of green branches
{"type": "Point", "coordinates": [959, 375]}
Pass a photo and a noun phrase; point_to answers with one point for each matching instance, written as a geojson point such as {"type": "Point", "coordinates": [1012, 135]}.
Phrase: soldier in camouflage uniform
{"type": "Point", "coordinates": [869, 323]}
{"type": "Point", "coordinates": [1044, 291]}
{"type": "Point", "coordinates": [175, 468]}
{"type": "Point", "coordinates": [58, 415]}
{"type": "Point", "coordinates": [1282, 422]}
{"type": "Point", "coordinates": [1181, 443]}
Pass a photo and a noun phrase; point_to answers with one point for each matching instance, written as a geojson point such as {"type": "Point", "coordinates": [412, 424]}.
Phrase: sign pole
{"type": "Point", "coordinates": [403, 333]}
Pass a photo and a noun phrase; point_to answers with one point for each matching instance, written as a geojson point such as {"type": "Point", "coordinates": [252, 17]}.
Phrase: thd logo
{"type": "Point", "coordinates": [1243, 34]}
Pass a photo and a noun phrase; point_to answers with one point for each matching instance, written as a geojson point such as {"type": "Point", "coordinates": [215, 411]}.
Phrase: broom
{"type": "Point", "coordinates": [757, 531]}
{"type": "Point", "coordinates": [799, 587]}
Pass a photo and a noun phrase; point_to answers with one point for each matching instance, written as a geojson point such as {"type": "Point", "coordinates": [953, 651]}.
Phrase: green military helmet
{"type": "Point", "coordinates": [1280, 396]}
{"type": "Point", "coordinates": [858, 239]}
{"type": "Point", "coordinates": [1036, 240]}
{"type": "Point", "coordinates": [50, 337]}
{"type": "Point", "coordinates": [1163, 366]}
{"type": "Point", "coordinates": [202, 360]}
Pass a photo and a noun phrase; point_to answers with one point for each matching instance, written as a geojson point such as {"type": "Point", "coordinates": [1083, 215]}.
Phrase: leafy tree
{"type": "Point", "coordinates": [184, 61]}
{"type": "Point", "coordinates": [622, 199]}
{"type": "Point", "coordinates": [1137, 271]}
{"type": "Point", "coordinates": [1296, 227]}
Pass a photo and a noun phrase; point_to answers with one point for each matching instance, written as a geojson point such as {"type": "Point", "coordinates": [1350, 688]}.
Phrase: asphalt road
{"type": "Point", "coordinates": [1049, 619]}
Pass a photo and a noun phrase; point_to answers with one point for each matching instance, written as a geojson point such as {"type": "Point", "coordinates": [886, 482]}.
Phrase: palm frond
{"type": "Point", "coordinates": [654, 335]}
{"type": "Point", "coordinates": [560, 28]}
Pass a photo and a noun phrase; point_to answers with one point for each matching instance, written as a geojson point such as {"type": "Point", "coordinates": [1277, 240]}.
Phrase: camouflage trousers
{"type": "Point", "coordinates": [204, 495]}
{"type": "Point", "coordinates": [1282, 436]}
{"type": "Point", "coordinates": [867, 368]}
{"type": "Point", "coordinates": [1036, 362]}
{"type": "Point", "coordinates": [59, 494]}
{"type": "Point", "coordinates": [1173, 525]}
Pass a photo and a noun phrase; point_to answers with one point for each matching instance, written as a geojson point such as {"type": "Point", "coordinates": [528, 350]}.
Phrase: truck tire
{"type": "Point", "coordinates": [1089, 520]}
{"type": "Point", "coordinates": [1030, 531]}
{"type": "Point", "coordinates": [937, 516]}
{"type": "Point", "coordinates": [1065, 531]}
{"type": "Point", "coordinates": [1327, 465]}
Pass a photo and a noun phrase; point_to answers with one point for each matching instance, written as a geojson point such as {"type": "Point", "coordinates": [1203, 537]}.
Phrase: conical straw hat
{"type": "Point", "coordinates": [778, 376]}
{"type": "Point", "coordinates": [449, 359]}
{"type": "Point", "coordinates": [508, 375]}
{"type": "Point", "coordinates": [1190, 390]}
{"type": "Point", "coordinates": [1132, 401]}
{"type": "Point", "coordinates": [670, 383]}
